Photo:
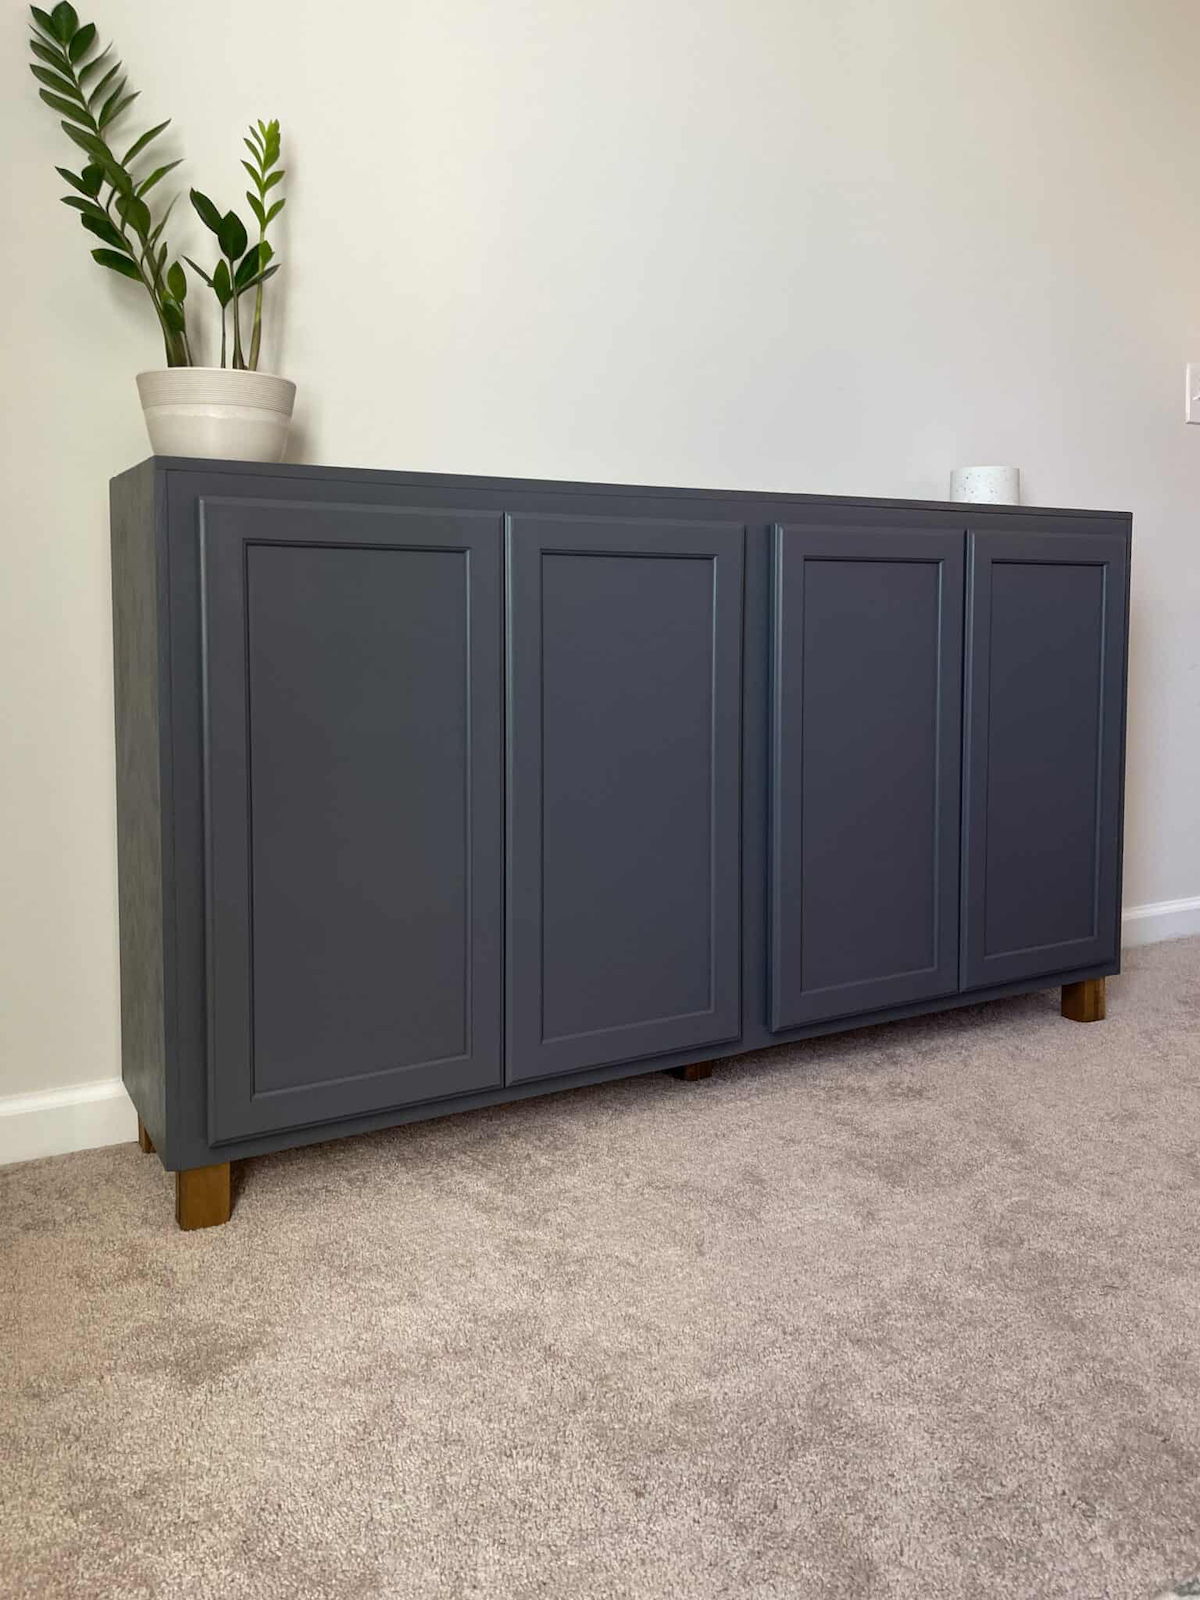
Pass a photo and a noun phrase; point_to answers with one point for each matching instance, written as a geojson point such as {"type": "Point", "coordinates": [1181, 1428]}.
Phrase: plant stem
{"type": "Point", "coordinates": [238, 359]}
{"type": "Point", "coordinates": [222, 335]}
{"type": "Point", "coordinates": [256, 336]}
{"type": "Point", "coordinates": [178, 351]}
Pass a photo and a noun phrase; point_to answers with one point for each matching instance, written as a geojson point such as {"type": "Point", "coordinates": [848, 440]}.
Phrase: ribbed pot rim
{"type": "Point", "coordinates": [223, 374]}
{"type": "Point", "coordinates": [228, 372]}
{"type": "Point", "coordinates": [216, 385]}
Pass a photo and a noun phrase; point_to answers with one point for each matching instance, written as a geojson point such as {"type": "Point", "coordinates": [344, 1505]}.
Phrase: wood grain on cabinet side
{"type": "Point", "coordinates": [139, 693]}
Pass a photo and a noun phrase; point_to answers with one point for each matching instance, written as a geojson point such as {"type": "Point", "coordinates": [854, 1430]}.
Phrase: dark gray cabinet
{"type": "Point", "coordinates": [1046, 697]}
{"type": "Point", "coordinates": [865, 740]}
{"type": "Point", "coordinates": [624, 729]}
{"type": "Point", "coordinates": [352, 747]}
{"type": "Point", "coordinates": [434, 792]}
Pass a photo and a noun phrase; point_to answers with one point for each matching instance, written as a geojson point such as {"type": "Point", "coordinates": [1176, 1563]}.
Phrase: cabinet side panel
{"type": "Point", "coordinates": [138, 700]}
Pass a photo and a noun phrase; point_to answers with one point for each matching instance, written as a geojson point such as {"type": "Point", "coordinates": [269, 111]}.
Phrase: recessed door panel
{"type": "Point", "coordinates": [1046, 652]}
{"type": "Point", "coordinates": [624, 738]}
{"type": "Point", "coordinates": [352, 659]}
{"type": "Point", "coordinates": [865, 770]}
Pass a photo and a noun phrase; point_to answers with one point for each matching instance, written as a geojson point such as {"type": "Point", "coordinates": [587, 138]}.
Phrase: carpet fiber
{"type": "Point", "coordinates": [908, 1312]}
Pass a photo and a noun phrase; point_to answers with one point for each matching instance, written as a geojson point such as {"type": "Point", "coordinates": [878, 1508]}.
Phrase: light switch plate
{"type": "Point", "coordinates": [1191, 408]}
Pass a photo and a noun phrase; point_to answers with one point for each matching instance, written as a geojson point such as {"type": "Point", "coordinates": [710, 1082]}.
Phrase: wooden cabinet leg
{"type": "Point", "coordinates": [144, 1138]}
{"type": "Point", "coordinates": [202, 1198]}
{"type": "Point", "coordinates": [1084, 1002]}
{"type": "Point", "coordinates": [695, 1072]}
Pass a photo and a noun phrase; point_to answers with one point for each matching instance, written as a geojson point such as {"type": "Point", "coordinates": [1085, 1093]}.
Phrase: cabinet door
{"type": "Point", "coordinates": [1046, 666]}
{"type": "Point", "coordinates": [865, 770]}
{"type": "Point", "coordinates": [355, 799]}
{"type": "Point", "coordinates": [624, 641]}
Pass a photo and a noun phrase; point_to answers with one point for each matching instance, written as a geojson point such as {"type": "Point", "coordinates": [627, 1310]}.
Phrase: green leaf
{"type": "Point", "coordinates": [252, 144]}
{"type": "Point", "coordinates": [113, 96]}
{"type": "Point", "coordinates": [276, 177]}
{"type": "Point", "coordinates": [248, 267]}
{"type": "Point", "coordinates": [173, 314]}
{"type": "Point", "coordinates": [44, 21]}
{"type": "Point", "coordinates": [48, 54]}
{"type": "Point", "coordinates": [136, 213]}
{"type": "Point", "coordinates": [275, 210]}
{"type": "Point", "coordinates": [256, 206]}
{"type": "Point", "coordinates": [99, 152]}
{"type": "Point", "coordinates": [118, 263]}
{"type": "Point", "coordinates": [177, 282]}
{"type": "Point", "coordinates": [206, 211]}
{"type": "Point", "coordinates": [261, 278]}
{"type": "Point", "coordinates": [104, 83]}
{"type": "Point", "coordinates": [162, 221]}
{"type": "Point", "coordinates": [104, 229]}
{"type": "Point", "coordinates": [138, 145]}
{"type": "Point", "coordinates": [87, 182]}
{"type": "Point", "coordinates": [73, 179]}
{"type": "Point", "coordinates": [232, 236]}
{"type": "Point", "coordinates": [66, 108]}
{"type": "Point", "coordinates": [111, 112]}
{"type": "Point", "coordinates": [159, 172]}
{"type": "Point", "coordinates": [82, 42]}
{"type": "Point", "coordinates": [94, 65]}
{"type": "Point", "coordinates": [254, 177]}
{"type": "Point", "coordinates": [55, 81]}
{"type": "Point", "coordinates": [86, 141]}
{"type": "Point", "coordinates": [88, 207]}
{"type": "Point", "coordinates": [64, 20]}
{"type": "Point", "coordinates": [199, 270]}
{"type": "Point", "coordinates": [221, 284]}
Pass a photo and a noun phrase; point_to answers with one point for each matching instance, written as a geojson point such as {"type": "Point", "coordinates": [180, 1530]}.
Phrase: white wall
{"type": "Point", "coordinates": [835, 246]}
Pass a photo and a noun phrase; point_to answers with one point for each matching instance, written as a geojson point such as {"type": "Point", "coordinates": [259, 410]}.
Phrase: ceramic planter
{"type": "Point", "coordinates": [216, 411]}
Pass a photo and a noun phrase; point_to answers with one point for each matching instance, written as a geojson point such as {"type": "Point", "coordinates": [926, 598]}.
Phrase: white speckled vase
{"type": "Point", "coordinates": [216, 411]}
{"type": "Point", "coordinates": [990, 485]}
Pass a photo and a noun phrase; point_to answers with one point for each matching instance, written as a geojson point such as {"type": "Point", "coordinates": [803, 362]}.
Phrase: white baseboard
{"type": "Point", "coordinates": [1164, 919]}
{"type": "Point", "coordinates": [87, 1115]}
{"type": "Point", "coordinates": [52, 1122]}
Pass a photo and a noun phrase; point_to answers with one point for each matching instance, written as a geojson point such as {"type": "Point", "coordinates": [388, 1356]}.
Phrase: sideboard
{"type": "Point", "coordinates": [437, 791]}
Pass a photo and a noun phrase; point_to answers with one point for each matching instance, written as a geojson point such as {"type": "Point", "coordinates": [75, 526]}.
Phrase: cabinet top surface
{"type": "Point", "coordinates": [289, 472]}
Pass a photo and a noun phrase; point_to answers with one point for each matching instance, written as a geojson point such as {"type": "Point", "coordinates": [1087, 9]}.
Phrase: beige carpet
{"type": "Point", "coordinates": [912, 1312]}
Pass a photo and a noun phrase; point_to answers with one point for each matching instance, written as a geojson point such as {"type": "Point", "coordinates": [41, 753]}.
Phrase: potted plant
{"type": "Point", "coordinates": [231, 411]}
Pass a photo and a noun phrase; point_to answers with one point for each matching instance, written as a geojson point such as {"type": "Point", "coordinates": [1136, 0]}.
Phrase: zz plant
{"type": "Point", "coordinates": [89, 90]}
{"type": "Point", "coordinates": [239, 268]}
